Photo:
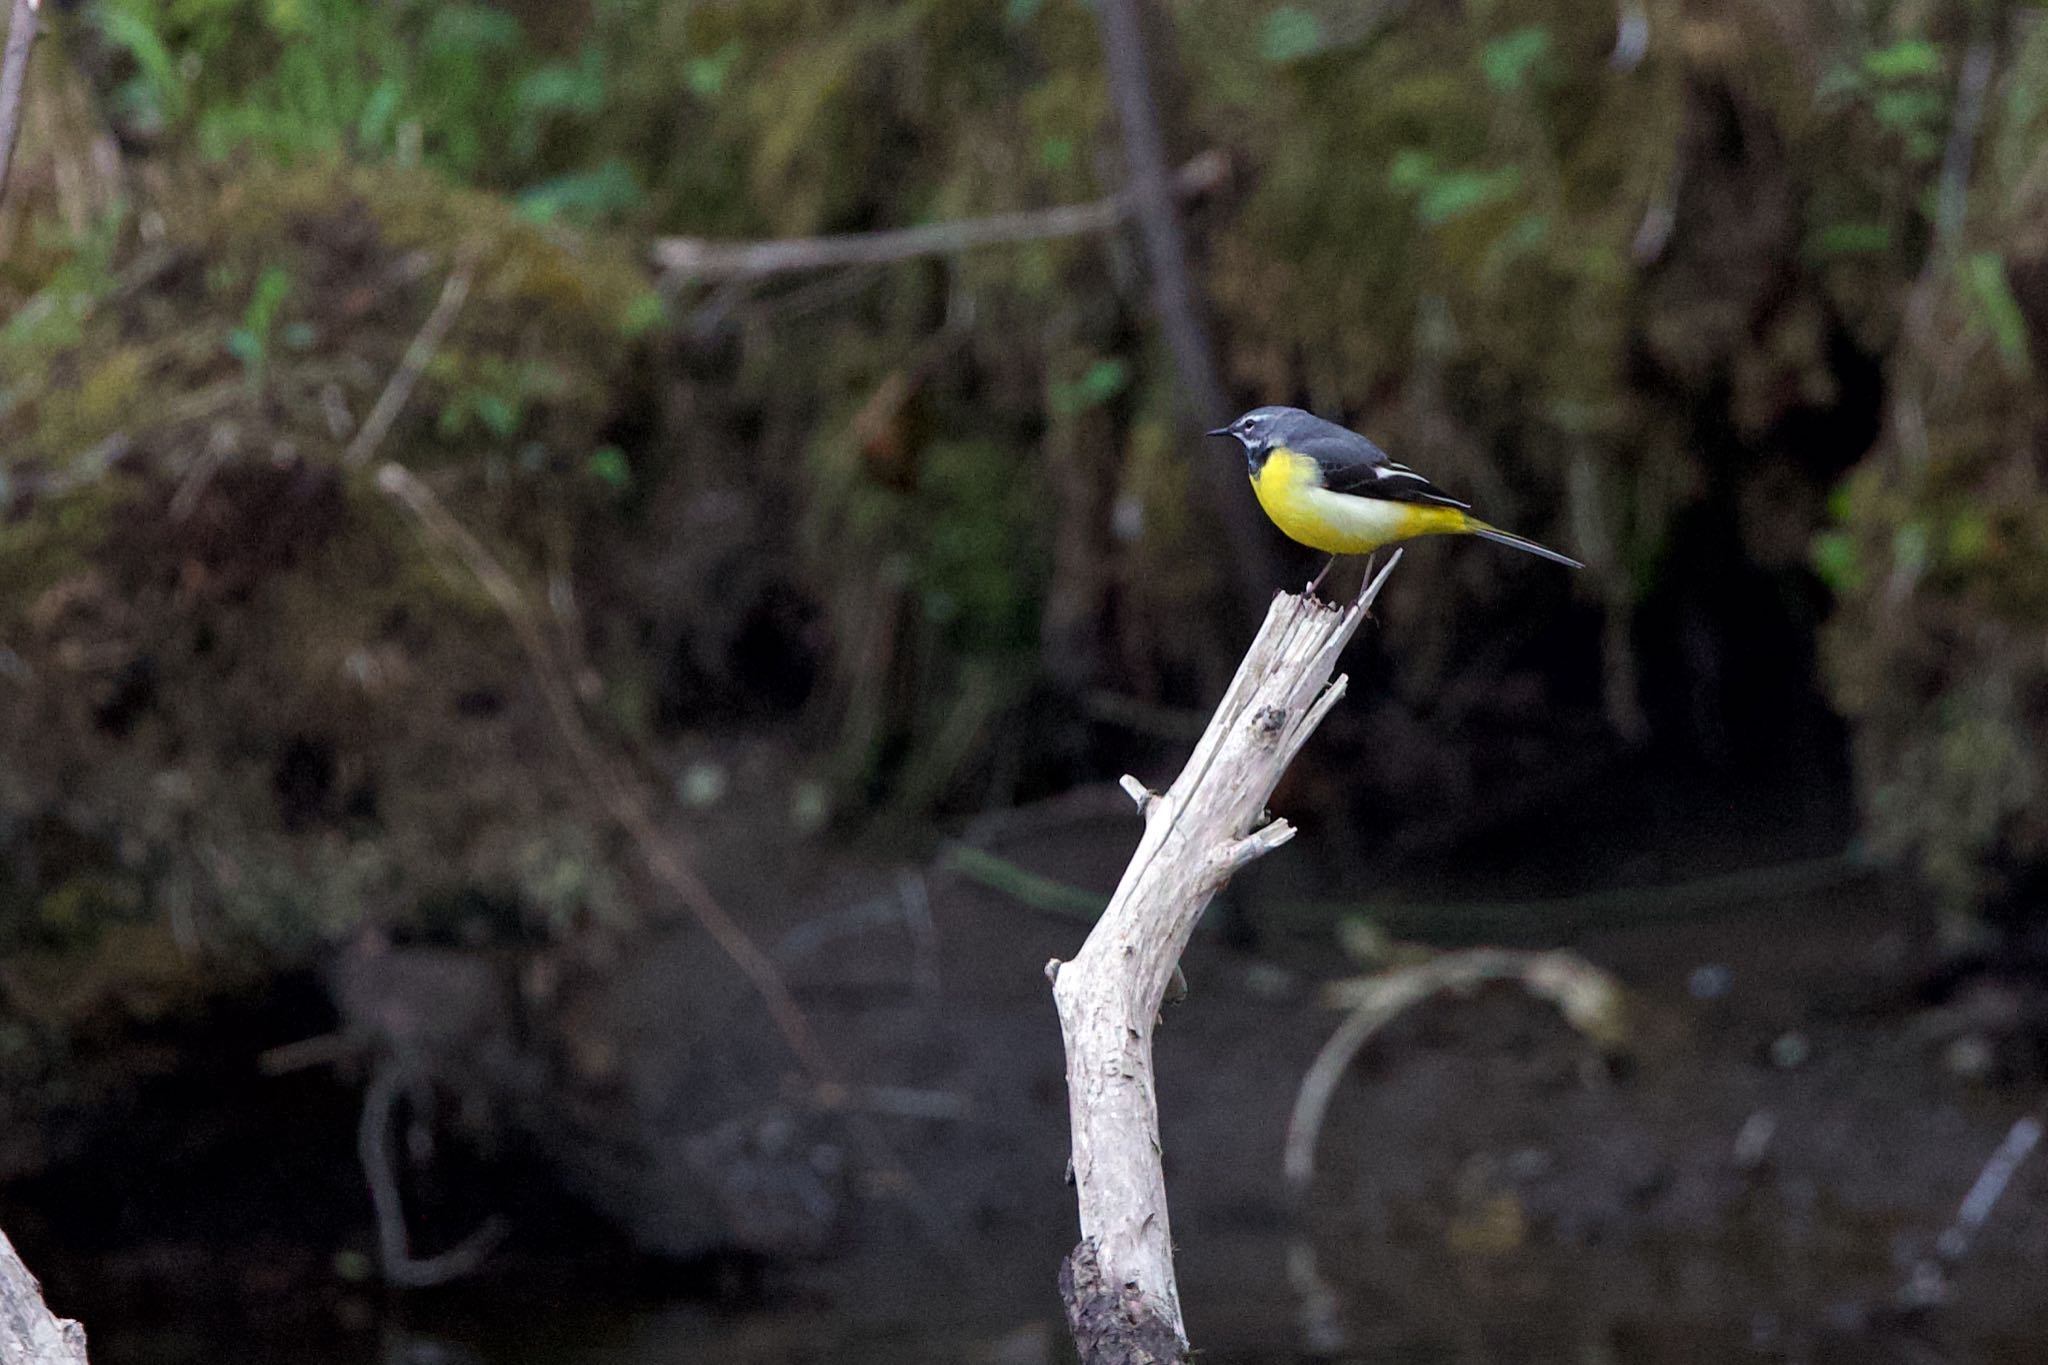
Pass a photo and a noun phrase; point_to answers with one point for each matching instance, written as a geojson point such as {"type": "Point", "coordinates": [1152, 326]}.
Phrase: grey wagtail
{"type": "Point", "coordinates": [1333, 490]}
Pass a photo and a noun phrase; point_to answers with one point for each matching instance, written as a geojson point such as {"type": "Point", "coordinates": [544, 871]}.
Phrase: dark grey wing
{"type": "Point", "coordinates": [1353, 464]}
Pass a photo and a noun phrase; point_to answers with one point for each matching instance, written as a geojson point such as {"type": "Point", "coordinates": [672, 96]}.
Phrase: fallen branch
{"type": "Point", "coordinates": [1929, 1285]}
{"type": "Point", "coordinates": [30, 1334]}
{"type": "Point", "coordinates": [21, 36]}
{"type": "Point", "coordinates": [418, 355]}
{"type": "Point", "coordinates": [1122, 1301]}
{"type": "Point", "coordinates": [699, 258]}
{"type": "Point", "coordinates": [394, 1244]}
{"type": "Point", "coordinates": [1589, 999]}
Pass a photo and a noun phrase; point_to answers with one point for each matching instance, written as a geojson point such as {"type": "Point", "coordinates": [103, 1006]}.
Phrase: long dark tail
{"type": "Point", "coordinates": [1513, 541]}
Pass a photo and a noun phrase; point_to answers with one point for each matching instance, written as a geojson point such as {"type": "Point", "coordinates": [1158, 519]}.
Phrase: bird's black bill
{"type": "Point", "coordinates": [1220, 431]}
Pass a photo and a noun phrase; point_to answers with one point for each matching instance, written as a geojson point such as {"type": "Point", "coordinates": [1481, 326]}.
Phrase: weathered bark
{"type": "Point", "coordinates": [30, 1334]}
{"type": "Point", "coordinates": [1119, 1285]}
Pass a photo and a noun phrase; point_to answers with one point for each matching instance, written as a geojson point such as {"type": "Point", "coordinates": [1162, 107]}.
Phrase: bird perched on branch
{"type": "Point", "coordinates": [1332, 489]}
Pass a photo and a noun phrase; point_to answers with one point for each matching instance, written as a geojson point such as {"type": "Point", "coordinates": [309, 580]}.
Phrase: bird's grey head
{"type": "Point", "coordinates": [1262, 429]}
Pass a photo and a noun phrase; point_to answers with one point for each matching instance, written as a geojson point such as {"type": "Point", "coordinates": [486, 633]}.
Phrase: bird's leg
{"type": "Point", "coordinates": [1371, 563]}
{"type": "Point", "coordinates": [1317, 581]}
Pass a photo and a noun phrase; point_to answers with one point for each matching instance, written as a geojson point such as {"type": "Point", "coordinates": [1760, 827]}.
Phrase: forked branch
{"type": "Point", "coordinates": [1122, 1302]}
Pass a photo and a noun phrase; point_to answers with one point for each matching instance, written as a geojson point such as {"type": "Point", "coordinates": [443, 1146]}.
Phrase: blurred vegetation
{"type": "Point", "coordinates": [1641, 293]}
{"type": "Point", "coordinates": [1940, 556]}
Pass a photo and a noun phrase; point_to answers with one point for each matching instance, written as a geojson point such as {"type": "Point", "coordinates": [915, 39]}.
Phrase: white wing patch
{"type": "Point", "coordinates": [1428, 492]}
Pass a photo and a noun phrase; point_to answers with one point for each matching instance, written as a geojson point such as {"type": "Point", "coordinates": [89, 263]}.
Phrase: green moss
{"type": "Point", "coordinates": [232, 657]}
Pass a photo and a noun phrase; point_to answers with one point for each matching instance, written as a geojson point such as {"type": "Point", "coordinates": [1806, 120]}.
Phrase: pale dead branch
{"type": "Point", "coordinates": [1590, 1000]}
{"type": "Point", "coordinates": [394, 1243]}
{"type": "Point", "coordinates": [1909, 406]}
{"type": "Point", "coordinates": [1122, 1300]}
{"type": "Point", "coordinates": [1929, 1285]}
{"type": "Point", "coordinates": [30, 1334]}
{"type": "Point", "coordinates": [703, 259]}
{"type": "Point", "coordinates": [417, 357]}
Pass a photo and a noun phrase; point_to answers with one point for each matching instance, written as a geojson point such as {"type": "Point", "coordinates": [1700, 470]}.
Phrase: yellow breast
{"type": "Point", "coordinates": [1290, 488]}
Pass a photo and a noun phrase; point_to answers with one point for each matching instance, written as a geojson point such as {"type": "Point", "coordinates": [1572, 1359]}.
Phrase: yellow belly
{"type": "Point", "coordinates": [1290, 488]}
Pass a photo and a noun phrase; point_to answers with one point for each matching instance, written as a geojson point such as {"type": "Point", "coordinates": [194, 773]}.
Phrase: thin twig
{"type": "Point", "coordinates": [698, 258]}
{"type": "Point", "coordinates": [1952, 200]}
{"type": "Point", "coordinates": [417, 357]}
{"type": "Point", "coordinates": [625, 803]}
{"type": "Point", "coordinates": [21, 36]}
{"type": "Point", "coordinates": [1929, 1284]}
{"type": "Point", "coordinates": [910, 907]}
{"type": "Point", "coordinates": [394, 1246]}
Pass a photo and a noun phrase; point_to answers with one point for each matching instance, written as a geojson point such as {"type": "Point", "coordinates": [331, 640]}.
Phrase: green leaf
{"type": "Point", "coordinates": [608, 464]}
{"type": "Point", "coordinates": [1850, 239]}
{"type": "Point", "coordinates": [1969, 538]}
{"type": "Point", "coordinates": [706, 76]}
{"type": "Point", "coordinates": [250, 343]}
{"type": "Point", "coordinates": [1907, 59]}
{"type": "Point", "coordinates": [1106, 379]}
{"type": "Point", "coordinates": [564, 89]}
{"type": "Point", "coordinates": [603, 191]}
{"type": "Point", "coordinates": [646, 312]}
{"type": "Point", "coordinates": [380, 114]}
{"type": "Point", "coordinates": [469, 29]}
{"type": "Point", "coordinates": [1905, 111]}
{"type": "Point", "coordinates": [1509, 60]}
{"type": "Point", "coordinates": [500, 415]}
{"type": "Point", "coordinates": [157, 91]}
{"type": "Point", "coordinates": [1841, 501]}
{"type": "Point", "coordinates": [1993, 308]}
{"type": "Point", "coordinates": [1290, 33]}
{"type": "Point", "coordinates": [1836, 561]}
{"type": "Point", "coordinates": [1099, 383]}
{"type": "Point", "coordinates": [1411, 170]}
{"type": "Point", "coordinates": [1460, 192]}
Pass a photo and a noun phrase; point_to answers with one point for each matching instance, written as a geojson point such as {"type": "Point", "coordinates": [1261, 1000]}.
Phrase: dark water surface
{"type": "Point", "coordinates": [1490, 1188]}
